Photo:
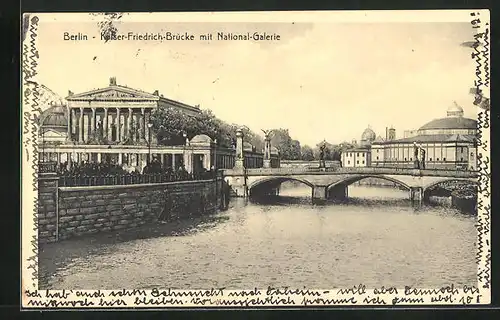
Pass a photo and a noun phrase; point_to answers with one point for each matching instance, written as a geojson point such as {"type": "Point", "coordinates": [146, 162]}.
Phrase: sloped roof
{"type": "Point", "coordinates": [450, 123]}
{"type": "Point", "coordinates": [434, 138]}
{"type": "Point", "coordinates": [119, 92]}
{"type": "Point", "coordinates": [54, 117]}
{"type": "Point", "coordinates": [201, 138]}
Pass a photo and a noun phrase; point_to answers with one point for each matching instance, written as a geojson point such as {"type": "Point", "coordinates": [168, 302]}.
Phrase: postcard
{"type": "Point", "coordinates": [255, 159]}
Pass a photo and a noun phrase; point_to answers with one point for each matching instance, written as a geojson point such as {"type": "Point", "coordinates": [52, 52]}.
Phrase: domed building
{"type": "Point", "coordinates": [368, 137]}
{"type": "Point", "coordinates": [53, 131]}
{"type": "Point", "coordinates": [359, 155]}
{"type": "Point", "coordinates": [444, 143]}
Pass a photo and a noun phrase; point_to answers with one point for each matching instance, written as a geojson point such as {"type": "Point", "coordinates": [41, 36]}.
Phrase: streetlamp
{"type": "Point", "coordinates": [150, 125]}
{"type": "Point", "coordinates": [184, 135]}
{"type": "Point", "coordinates": [215, 156]}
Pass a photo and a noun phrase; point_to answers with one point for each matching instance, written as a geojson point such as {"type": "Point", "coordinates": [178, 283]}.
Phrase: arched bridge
{"type": "Point", "coordinates": [332, 183]}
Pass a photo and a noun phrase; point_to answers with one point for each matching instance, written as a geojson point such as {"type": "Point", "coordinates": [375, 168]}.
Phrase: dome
{"type": "Point", "coordinates": [455, 111]}
{"type": "Point", "coordinates": [201, 138]}
{"type": "Point", "coordinates": [450, 123]}
{"type": "Point", "coordinates": [55, 117]}
{"type": "Point", "coordinates": [368, 135]}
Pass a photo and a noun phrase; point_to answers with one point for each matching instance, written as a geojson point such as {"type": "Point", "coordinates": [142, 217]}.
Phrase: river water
{"type": "Point", "coordinates": [376, 239]}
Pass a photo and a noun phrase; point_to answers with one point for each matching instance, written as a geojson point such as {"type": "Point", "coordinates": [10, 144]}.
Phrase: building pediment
{"type": "Point", "coordinates": [114, 93]}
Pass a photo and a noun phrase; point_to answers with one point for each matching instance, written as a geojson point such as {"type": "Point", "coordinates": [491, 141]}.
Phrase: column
{"type": "Point", "coordinates": [86, 120]}
{"type": "Point", "coordinates": [239, 149]}
{"type": "Point", "coordinates": [92, 124]}
{"type": "Point", "coordinates": [146, 128]}
{"type": "Point", "coordinates": [135, 121]}
{"type": "Point", "coordinates": [68, 156]}
{"type": "Point", "coordinates": [73, 121]}
{"type": "Point", "coordinates": [123, 134]}
{"type": "Point", "coordinates": [141, 126]}
{"type": "Point", "coordinates": [105, 124]}
{"type": "Point", "coordinates": [98, 157]}
{"type": "Point", "coordinates": [173, 162]}
{"type": "Point", "coordinates": [267, 153]}
{"type": "Point", "coordinates": [120, 159]}
{"type": "Point", "coordinates": [80, 126]}
{"type": "Point", "coordinates": [118, 126]}
{"type": "Point", "coordinates": [68, 134]}
{"type": "Point", "coordinates": [129, 123]}
{"type": "Point", "coordinates": [110, 127]}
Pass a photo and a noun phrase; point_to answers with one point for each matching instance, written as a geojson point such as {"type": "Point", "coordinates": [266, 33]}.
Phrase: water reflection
{"type": "Point", "coordinates": [375, 238]}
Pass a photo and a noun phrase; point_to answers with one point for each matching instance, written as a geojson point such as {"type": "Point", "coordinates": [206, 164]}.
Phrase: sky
{"type": "Point", "coordinates": [322, 80]}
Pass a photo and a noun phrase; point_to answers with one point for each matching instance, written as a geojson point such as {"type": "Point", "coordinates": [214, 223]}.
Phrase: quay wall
{"type": "Point", "coordinates": [75, 211]}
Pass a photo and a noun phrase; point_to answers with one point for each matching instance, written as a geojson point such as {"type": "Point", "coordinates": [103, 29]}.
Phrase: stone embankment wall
{"type": "Point", "coordinates": [88, 210]}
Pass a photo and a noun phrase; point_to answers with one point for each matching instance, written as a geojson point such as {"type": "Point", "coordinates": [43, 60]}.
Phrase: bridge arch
{"type": "Point", "coordinates": [276, 181]}
{"type": "Point", "coordinates": [464, 181]}
{"type": "Point", "coordinates": [353, 179]}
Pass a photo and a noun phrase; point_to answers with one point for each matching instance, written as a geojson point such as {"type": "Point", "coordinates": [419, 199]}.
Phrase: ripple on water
{"type": "Point", "coordinates": [365, 241]}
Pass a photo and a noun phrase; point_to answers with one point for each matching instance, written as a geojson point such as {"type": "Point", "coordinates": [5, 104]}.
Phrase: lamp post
{"type": "Point", "coordinates": [215, 155]}
{"type": "Point", "coordinates": [150, 125]}
{"type": "Point", "coordinates": [184, 136]}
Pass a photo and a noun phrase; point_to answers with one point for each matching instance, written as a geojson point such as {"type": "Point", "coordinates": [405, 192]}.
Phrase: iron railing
{"type": "Point", "coordinates": [131, 178]}
{"type": "Point", "coordinates": [356, 170]}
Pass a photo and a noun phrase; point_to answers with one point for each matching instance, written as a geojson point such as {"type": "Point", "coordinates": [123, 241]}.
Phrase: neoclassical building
{"type": "Point", "coordinates": [112, 124]}
{"type": "Point", "coordinates": [446, 143]}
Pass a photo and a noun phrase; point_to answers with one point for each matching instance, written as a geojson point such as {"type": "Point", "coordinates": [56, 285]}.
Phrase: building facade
{"type": "Point", "coordinates": [445, 143]}
{"type": "Point", "coordinates": [360, 154]}
{"type": "Point", "coordinates": [112, 125]}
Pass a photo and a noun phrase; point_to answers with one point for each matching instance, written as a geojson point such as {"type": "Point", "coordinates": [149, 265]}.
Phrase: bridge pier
{"type": "Point", "coordinates": [319, 193]}
{"type": "Point", "coordinates": [417, 195]}
{"type": "Point", "coordinates": [238, 185]}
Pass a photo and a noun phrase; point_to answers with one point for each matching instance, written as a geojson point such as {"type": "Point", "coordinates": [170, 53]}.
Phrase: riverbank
{"type": "Point", "coordinates": [76, 211]}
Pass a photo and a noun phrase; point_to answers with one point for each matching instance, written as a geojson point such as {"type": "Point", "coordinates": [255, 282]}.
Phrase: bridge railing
{"type": "Point", "coordinates": [356, 170]}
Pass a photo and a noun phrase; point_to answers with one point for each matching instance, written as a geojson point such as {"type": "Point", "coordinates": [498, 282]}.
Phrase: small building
{"type": "Point", "coordinates": [360, 154]}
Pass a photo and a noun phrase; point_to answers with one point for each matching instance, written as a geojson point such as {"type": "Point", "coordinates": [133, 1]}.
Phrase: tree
{"type": "Point", "coordinates": [283, 142]}
{"type": "Point", "coordinates": [307, 153]}
{"type": "Point", "coordinates": [295, 150]}
{"type": "Point", "coordinates": [170, 124]}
